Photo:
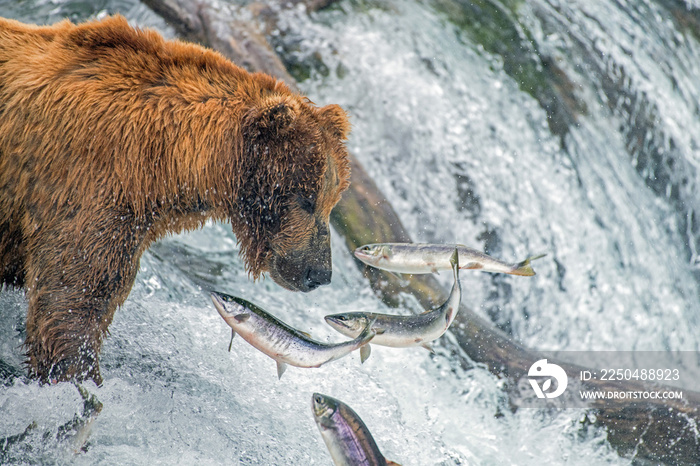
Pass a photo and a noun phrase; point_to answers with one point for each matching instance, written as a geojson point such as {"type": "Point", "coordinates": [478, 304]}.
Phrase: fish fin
{"type": "Point", "coordinates": [391, 463]}
{"type": "Point", "coordinates": [281, 367]}
{"type": "Point", "coordinates": [524, 268]}
{"type": "Point", "coordinates": [365, 351]}
{"type": "Point", "coordinates": [428, 346]}
{"type": "Point", "coordinates": [241, 317]}
{"type": "Point", "coordinates": [306, 334]}
{"type": "Point", "coordinates": [379, 331]}
{"type": "Point", "coordinates": [395, 274]}
{"type": "Point", "coordinates": [230, 343]}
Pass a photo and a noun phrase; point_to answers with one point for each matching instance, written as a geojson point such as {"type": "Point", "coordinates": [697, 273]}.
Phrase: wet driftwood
{"type": "Point", "coordinates": [657, 430]}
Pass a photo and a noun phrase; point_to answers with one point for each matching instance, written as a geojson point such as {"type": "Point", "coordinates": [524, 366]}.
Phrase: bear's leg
{"type": "Point", "coordinates": [75, 281]}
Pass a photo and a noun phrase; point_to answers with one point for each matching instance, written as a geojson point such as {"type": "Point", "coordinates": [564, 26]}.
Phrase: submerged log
{"type": "Point", "coordinates": [657, 430]}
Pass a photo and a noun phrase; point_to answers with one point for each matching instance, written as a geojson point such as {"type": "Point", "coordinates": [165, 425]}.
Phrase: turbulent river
{"type": "Point", "coordinates": [467, 144]}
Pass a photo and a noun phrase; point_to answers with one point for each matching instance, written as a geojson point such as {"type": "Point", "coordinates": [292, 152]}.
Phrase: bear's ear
{"type": "Point", "coordinates": [335, 120]}
{"type": "Point", "coordinates": [272, 117]}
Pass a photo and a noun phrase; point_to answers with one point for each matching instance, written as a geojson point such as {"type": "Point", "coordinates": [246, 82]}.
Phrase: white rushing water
{"type": "Point", "coordinates": [433, 114]}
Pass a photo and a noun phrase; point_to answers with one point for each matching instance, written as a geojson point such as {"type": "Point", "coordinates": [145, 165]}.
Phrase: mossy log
{"type": "Point", "coordinates": [656, 430]}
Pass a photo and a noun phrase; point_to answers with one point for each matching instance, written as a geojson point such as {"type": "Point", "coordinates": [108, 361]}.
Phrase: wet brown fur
{"type": "Point", "coordinates": [111, 138]}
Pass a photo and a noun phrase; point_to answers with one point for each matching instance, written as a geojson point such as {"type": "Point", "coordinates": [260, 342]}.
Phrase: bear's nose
{"type": "Point", "coordinates": [316, 277]}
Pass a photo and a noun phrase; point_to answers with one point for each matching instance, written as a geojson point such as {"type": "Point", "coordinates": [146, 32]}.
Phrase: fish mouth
{"type": "Point", "coordinates": [323, 407]}
{"type": "Point", "coordinates": [338, 322]}
{"type": "Point", "coordinates": [363, 253]}
{"type": "Point", "coordinates": [372, 254]}
{"type": "Point", "coordinates": [317, 403]}
{"type": "Point", "coordinates": [227, 305]}
{"type": "Point", "coordinates": [220, 300]}
{"type": "Point", "coordinates": [350, 326]}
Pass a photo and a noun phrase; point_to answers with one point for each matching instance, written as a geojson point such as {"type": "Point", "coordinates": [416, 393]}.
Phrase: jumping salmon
{"type": "Point", "coordinates": [346, 436]}
{"type": "Point", "coordinates": [281, 342]}
{"type": "Point", "coordinates": [403, 331]}
{"type": "Point", "coordinates": [416, 258]}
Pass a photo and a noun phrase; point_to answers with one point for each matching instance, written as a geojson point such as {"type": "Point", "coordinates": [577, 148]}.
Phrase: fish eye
{"type": "Point", "coordinates": [318, 399]}
{"type": "Point", "coordinates": [224, 297]}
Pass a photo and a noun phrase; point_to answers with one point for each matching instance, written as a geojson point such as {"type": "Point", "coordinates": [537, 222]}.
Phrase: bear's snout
{"type": "Point", "coordinates": [316, 277]}
{"type": "Point", "coordinates": [303, 269]}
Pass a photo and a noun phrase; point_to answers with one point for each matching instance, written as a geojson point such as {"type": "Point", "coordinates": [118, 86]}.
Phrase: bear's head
{"type": "Point", "coordinates": [294, 169]}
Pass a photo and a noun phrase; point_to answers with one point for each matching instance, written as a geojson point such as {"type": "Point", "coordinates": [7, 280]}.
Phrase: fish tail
{"type": "Point", "coordinates": [524, 268]}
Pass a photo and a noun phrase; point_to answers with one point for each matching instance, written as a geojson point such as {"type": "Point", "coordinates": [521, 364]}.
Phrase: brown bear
{"type": "Point", "coordinates": [112, 137]}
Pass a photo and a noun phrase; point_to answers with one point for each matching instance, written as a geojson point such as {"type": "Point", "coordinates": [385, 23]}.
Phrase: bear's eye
{"type": "Point", "coordinates": [307, 204]}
